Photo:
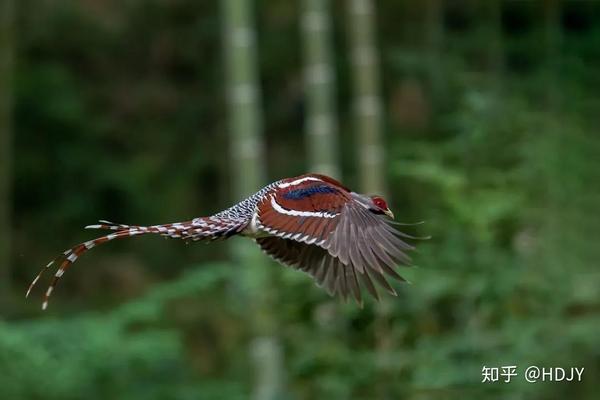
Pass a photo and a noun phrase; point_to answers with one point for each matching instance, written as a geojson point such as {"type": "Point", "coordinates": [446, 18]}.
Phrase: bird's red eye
{"type": "Point", "coordinates": [379, 202]}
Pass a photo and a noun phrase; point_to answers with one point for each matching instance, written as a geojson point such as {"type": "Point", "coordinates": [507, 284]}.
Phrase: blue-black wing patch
{"type": "Point", "coordinates": [303, 193]}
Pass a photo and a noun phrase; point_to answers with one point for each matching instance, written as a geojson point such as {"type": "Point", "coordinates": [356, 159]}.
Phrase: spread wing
{"type": "Point", "coordinates": [328, 271]}
{"type": "Point", "coordinates": [323, 230]}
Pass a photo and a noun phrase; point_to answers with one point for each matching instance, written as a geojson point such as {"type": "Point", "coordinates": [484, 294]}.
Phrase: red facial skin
{"type": "Point", "coordinates": [380, 202]}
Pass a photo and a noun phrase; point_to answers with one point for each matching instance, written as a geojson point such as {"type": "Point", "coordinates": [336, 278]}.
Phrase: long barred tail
{"type": "Point", "coordinates": [197, 229]}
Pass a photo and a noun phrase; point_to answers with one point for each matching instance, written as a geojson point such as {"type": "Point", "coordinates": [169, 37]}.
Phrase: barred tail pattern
{"type": "Point", "coordinates": [209, 228]}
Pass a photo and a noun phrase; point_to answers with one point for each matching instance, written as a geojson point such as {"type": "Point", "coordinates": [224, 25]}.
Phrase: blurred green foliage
{"type": "Point", "coordinates": [120, 115]}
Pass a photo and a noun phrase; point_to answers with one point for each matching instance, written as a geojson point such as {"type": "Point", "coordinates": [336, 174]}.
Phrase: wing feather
{"type": "Point", "coordinates": [322, 229]}
{"type": "Point", "coordinates": [307, 208]}
{"type": "Point", "coordinates": [366, 279]}
{"type": "Point", "coordinates": [354, 285]}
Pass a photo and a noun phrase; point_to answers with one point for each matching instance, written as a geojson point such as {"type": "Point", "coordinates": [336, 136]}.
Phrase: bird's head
{"type": "Point", "coordinates": [375, 204]}
{"type": "Point", "coordinates": [379, 206]}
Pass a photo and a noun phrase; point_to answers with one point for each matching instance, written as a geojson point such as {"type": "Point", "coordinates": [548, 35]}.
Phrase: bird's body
{"type": "Point", "coordinates": [311, 222]}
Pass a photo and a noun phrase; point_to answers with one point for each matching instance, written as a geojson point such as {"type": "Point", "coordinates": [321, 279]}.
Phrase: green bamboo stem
{"type": "Point", "coordinates": [367, 103]}
{"type": "Point", "coordinates": [319, 83]}
{"type": "Point", "coordinates": [367, 112]}
{"type": "Point", "coordinates": [6, 90]}
{"type": "Point", "coordinates": [248, 173]}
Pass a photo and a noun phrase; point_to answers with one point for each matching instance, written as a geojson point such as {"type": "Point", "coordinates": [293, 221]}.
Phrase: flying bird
{"type": "Point", "coordinates": [311, 222]}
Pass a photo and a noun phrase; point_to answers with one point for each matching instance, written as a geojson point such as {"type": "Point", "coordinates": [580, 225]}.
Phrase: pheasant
{"type": "Point", "coordinates": [311, 222]}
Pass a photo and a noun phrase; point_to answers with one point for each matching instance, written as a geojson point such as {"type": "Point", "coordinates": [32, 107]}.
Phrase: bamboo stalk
{"type": "Point", "coordinates": [367, 104]}
{"type": "Point", "coordinates": [6, 90]}
{"type": "Point", "coordinates": [319, 83]}
{"type": "Point", "coordinates": [367, 111]}
{"type": "Point", "coordinates": [248, 173]}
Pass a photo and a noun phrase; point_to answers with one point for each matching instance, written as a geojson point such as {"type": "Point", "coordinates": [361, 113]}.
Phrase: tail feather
{"type": "Point", "coordinates": [197, 229]}
{"type": "Point", "coordinates": [67, 258]}
{"type": "Point", "coordinates": [104, 224]}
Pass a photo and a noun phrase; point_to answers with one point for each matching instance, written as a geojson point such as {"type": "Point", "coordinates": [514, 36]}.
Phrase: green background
{"type": "Point", "coordinates": [490, 130]}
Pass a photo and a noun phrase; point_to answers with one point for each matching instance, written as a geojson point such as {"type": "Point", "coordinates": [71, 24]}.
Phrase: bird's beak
{"type": "Point", "coordinates": [389, 213]}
